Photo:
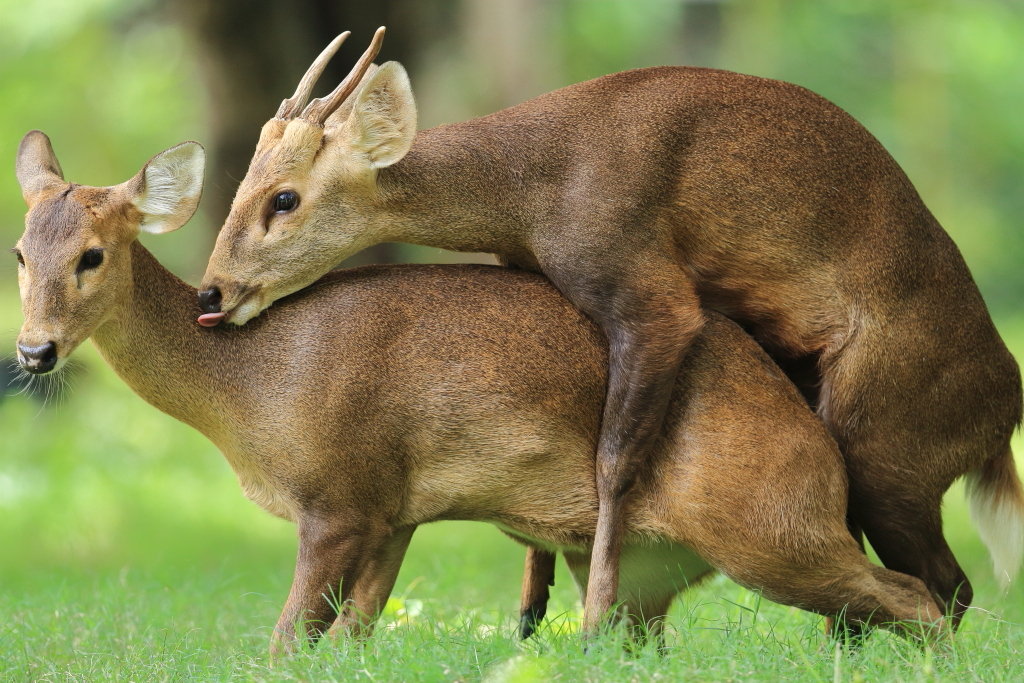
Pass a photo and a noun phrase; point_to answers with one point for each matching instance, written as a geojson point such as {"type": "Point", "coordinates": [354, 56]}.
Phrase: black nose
{"type": "Point", "coordinates": [209, 300]}
{"type": "Point", "coordinates": [38, 359]}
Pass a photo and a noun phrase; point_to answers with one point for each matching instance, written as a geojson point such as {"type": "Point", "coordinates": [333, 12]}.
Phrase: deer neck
{"type": "Point", "coordinates": [154, 344]}
{"type": "Point", "coordinates": [460, 190]}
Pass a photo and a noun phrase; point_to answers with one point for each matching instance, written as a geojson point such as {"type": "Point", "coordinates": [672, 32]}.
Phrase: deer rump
{"type": "Point", "coordinates": [487, 389]}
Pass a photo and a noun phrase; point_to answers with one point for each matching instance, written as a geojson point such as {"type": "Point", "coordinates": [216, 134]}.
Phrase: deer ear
{"type": "Point", "coordinates": [168, 188]}
{"type": "Point", "coordinates": [382, 123]}
{"type": "Point", "coordinates": [37, 167]}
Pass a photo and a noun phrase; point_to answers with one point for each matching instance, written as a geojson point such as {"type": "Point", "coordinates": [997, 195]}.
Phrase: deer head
{"type": "Point", "coordinates": [73, 256]}
{"type": "Point", "coordinates": [314, 168]}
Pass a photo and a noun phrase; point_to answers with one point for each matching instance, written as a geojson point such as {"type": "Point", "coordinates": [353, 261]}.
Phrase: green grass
{"type": "Point", "coordinates": [214, 625]}
{"type": "Point", "coordinates": [128, 553]}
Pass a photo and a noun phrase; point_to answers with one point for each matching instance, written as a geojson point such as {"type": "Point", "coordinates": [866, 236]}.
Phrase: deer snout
{"type": "Point", "coordinates": [229, 301]}
{"type": "Point", "coordinates": [210, 300]}
{"type": "Point", "coordinates": [38, 359]}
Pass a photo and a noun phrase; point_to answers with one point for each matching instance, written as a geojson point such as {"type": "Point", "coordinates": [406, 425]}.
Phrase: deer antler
{"type": "Point", "coordinates": [293, 105]}
{"type": "Point", "coordinates": [322, 107]}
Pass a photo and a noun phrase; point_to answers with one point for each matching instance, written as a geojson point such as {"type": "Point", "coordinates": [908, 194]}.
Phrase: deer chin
{"type": "Point", "coordinates": [55, 370]}
{"type": "Point", "coordinates": [247, 309]}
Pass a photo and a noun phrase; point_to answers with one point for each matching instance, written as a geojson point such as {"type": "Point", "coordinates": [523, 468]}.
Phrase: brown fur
{"type": "Point", "coordinates": [384, 398]}
{"type": "Point", "coordinates": [645, 195]}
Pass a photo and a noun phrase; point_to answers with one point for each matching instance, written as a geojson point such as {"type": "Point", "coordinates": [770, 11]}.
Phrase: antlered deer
{"type": "Point", "coordinates": [384, 398]}
{"type": "Point", "coordinates": [643, 196]}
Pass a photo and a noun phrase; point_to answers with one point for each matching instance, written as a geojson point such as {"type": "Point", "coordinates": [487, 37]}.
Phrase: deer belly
{"type": "Point", "coordinates": [648, 574]}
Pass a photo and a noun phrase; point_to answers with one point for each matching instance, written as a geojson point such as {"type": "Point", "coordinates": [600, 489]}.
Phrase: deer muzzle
{"type": "Point", "coordinates": [38, 359]}
{"type": "Point", "coordinates": [229, 302]}
{"type": "Point", "coordinates": [210, 300]}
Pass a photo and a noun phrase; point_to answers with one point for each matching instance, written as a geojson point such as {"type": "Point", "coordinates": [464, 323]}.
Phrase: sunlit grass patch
{"type": "Point", "coordinates": [210, 626]}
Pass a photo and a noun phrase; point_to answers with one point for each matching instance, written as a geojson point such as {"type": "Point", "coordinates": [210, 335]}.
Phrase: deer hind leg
{"type": "Point", "coordinates": [895, 499]}
{"type": "Point", "coordinates": [907, 535]}
{"type": "Point", "coordinates": [908, 428]}
{"type": "Point", "coordinates": [903, 601]}
{"type": "Point", "coordinates": [651, 315]}
{"type": "Point", "coordinates": [538, 574]}
{"type": "Point", "coordinates": [839, 582]}
{"type": "Point", "coordinates": [904, 442]}
{"type": "Point", "coordinates": [839, 626]}
{"type": "Point", "coordinates": [871, 596]}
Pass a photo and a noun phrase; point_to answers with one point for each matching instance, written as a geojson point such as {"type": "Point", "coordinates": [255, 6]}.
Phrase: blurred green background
{"type": "Point", "coordinates": [95, 483]}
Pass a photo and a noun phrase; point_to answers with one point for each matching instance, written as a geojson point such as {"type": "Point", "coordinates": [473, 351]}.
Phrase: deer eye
{"type": "Point", "coordinates": [21, 259]}
{"type": "Point", "coordinates": [285, 201]}
{"type": "Point", "coordinates": [92, 258]}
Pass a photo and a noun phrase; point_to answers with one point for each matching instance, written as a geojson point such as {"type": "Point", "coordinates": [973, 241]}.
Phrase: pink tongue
{"type": "Point", "coordinates": [211, 319]}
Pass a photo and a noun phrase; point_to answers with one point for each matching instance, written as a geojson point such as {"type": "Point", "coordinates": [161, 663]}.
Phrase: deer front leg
{"type": "Point", "coordinates": [331, 554]}
{"type": "Point", "coordinates": [650, 313]}
{"type": "Point", "coordinates": [537, 576]}
{"type": "Point", "coordinates": [371, 590]}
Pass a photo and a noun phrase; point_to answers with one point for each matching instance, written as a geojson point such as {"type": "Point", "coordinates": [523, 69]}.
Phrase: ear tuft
{"type": "Point", "coordinates": [383, 118]}
{"type": "Point", "coordinates": [169, 186]}
{"type": "Point", "coordinates": [37, 167]}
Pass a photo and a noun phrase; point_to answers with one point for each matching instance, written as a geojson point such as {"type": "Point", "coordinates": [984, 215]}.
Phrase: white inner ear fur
{"type": "Point", "coordinates": [173, 186]}
{"type": "Point", "coordinates": [383, 119]}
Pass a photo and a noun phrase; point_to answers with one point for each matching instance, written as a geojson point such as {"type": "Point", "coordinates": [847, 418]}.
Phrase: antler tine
{"type": "Point", "coordinates": [294, 104]}
{"type": "Point", "coordinates": [320, 108]}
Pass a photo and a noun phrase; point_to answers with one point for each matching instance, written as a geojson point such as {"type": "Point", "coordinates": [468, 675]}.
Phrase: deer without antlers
{"type": "Point", "coordinates": [387, 397]}
{"type": "Point", "coordinates": [644, 196]}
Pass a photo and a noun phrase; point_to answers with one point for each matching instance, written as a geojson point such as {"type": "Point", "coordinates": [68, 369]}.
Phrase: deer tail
{"type": "Point", "coordinates": [996, 501]}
